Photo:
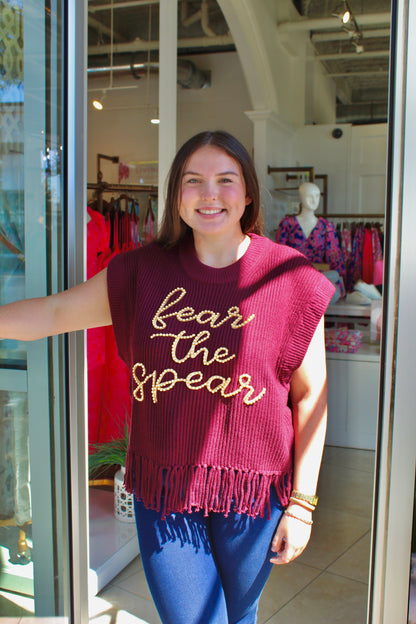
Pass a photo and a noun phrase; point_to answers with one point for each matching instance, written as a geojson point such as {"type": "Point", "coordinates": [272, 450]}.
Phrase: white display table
{"type": "Point", "coordinates": [353, 385]}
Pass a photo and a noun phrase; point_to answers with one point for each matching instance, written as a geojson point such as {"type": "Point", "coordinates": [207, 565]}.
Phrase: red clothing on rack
{"type": "Point", "coordinates": [368, 269]}
{"type": "Point", "coordinates": [109, 403]}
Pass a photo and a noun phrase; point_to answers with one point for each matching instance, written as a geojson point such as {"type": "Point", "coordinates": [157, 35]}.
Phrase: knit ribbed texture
{"type": "Point", "coordinates": [212, 352]}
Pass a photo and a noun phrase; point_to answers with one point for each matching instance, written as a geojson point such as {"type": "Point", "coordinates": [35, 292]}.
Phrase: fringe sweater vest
{"type": "Point", "coordinates": [211, 354]}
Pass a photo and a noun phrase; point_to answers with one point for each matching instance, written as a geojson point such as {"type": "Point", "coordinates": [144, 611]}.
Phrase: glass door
{"type": "Point", "coordinates": [34, 554]}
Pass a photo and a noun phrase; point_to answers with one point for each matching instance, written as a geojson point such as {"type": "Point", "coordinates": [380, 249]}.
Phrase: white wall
{"type": "Point", "coordinates": [219, 107]}
{"type": "Point", "coordinates": [123, 128]}
{"type": "Point", "coordinates": [315, 146]}
{"type": "Point", "coordinates": [355, 164]}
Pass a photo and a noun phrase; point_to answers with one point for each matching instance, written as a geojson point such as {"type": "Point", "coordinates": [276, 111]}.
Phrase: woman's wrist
{"type": "Point", "coordinates": [298, 513]}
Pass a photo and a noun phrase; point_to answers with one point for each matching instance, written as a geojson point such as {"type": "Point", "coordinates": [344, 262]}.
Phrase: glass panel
{"type": "Point", "coordinates": [122, 191]}
{"type": "Point", "coordinates": [412, 588]}
{"type": "Point", "coordinates": [33, 490]}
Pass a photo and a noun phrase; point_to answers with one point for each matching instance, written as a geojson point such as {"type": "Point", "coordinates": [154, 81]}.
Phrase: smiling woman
{"type": "Point", "coordinates": [212, 438]}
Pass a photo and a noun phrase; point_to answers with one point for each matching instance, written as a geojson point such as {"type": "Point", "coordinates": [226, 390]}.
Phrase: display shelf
{"type": "Point", "coordinates": [366, 353]}
{"type": "Point", "coordinates": [348, 309]}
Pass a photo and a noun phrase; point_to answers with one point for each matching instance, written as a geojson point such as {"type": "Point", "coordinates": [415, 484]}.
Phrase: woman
{"type": "Point", "coordinates": [217, 325]}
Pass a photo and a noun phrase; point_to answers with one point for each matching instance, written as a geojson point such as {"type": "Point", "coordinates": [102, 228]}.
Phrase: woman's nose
{"type": "Point", "coordinates": [209, 190]}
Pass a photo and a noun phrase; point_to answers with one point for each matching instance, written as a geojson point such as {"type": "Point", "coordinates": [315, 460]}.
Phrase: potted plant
{"type": "Point", "coordinates": [108, 455]}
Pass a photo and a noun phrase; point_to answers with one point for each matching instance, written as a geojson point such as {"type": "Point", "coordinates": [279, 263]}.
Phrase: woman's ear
{"type": "Point", "coordinates": [248, 200]}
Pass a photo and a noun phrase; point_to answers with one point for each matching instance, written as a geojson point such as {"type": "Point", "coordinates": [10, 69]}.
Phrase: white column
{"type": "Point", "coordinates": [168, 45]}
{"type": "Point", "coordinates": [272, 146]}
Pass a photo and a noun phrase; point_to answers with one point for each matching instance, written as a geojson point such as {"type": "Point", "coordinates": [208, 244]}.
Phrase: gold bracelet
{"type": "Point", "coordinates": [308, 498]}
{"type": "Point", "coordinates": [287, 513]}
{"type": "Point", "coordinates": [302, 503]}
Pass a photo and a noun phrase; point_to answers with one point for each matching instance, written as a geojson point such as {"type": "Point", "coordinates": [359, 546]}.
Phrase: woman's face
{"type": "Point", "coordinates": [213, 194]}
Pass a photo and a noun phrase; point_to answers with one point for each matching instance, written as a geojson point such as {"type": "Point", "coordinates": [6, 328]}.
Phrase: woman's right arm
{"type": "Point", "coordinates": [81, 307]}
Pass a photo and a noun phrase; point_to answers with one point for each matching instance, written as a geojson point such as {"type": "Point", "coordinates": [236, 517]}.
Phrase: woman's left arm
{"type": "Point", "coordinates": [309, 405]}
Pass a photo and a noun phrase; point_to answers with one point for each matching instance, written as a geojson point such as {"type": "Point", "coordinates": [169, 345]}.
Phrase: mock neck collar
{"type": "Point", "coordinates": [204, 273]}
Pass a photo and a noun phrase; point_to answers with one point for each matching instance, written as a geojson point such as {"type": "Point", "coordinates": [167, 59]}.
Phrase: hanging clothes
{"type": "Point", "coordinates": [149, 223]}
{"type": "Point", "coordinates": [362, 250]}
{"type": "Point", "coordinates": [368, 266]}
{"type": "Point", "coordinates": [122, 224]}
{"type": "Point", "coordinates": [109, 403]}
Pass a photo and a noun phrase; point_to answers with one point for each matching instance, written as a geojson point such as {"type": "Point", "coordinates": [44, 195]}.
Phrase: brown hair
{"type": "Point", "coordinates": [173, 228]}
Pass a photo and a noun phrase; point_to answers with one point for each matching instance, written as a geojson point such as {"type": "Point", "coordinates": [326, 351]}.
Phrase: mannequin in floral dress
{"type": "Point", "coordinates": [314, 236]}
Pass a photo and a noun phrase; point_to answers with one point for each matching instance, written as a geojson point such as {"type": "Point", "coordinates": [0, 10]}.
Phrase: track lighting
{"type": "Point", "coordinates": [98, 103]}
{"type": "Point", "coordinates": [349, 23]}
{"type": "Point", "coordinates": [155, 119]}
{"type": "Point", "coordinates": [343, 13]}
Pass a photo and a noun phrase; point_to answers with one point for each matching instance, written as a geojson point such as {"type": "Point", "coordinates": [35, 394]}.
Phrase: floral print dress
{"type": "Point", "coordinates": [321, 245]}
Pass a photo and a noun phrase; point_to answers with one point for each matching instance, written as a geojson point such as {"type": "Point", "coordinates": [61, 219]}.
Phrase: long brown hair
{"type": "Point", "coordinates": [173, 228]}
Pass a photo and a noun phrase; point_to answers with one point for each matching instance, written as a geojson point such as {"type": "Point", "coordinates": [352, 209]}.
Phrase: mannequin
{"type": "Point", "coordinates": [314, 236]}
{"type": "Point", "coordinates": [310, 196]}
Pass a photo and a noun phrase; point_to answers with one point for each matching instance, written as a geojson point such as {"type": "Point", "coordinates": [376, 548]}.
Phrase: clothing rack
{"type": "Point", "coordinates": [101, 187]}
{"type": "Point", "coordinates": [358, 216]}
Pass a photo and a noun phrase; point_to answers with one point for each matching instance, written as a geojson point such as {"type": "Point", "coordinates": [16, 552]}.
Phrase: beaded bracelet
{"type": "Point", "coordinates": [287, 513]}
{"type": "Point", "coordinates": [308, 498]}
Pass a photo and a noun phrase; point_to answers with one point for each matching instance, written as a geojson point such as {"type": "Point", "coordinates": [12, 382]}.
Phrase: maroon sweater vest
{"type": "Point", "coordinates": [211, 353]}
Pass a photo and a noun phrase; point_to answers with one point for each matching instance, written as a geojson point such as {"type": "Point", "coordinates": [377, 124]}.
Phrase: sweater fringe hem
{"type": "Point", "coordinates": [169, 489]}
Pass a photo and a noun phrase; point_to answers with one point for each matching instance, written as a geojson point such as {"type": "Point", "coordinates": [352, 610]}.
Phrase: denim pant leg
{"type": "Point", "coordinates": [179, 567]}
{"type": "Point", "coordinates": [241, 548]}
{"type": "Point", "coordinates": [206, 570]}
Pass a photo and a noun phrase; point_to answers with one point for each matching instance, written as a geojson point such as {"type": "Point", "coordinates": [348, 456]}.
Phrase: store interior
{"type": "Point", "coordinates": [307, 93]}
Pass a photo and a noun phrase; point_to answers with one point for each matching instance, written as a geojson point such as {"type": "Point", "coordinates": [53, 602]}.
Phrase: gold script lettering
{"type": "Point", "coordinates": [193, 381]}
{"type": "Point", "coordinates": [221, 354]}
{"type": "Point", "coordinates": [188, 314]}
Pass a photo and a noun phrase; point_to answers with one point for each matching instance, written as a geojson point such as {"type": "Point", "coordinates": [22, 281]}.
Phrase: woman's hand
{"type": "Point", "coordinates": [292, 535]}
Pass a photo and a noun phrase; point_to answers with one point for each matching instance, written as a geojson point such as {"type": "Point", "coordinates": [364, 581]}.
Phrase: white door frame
{"type": "Point", "coordinates": [395, 466]}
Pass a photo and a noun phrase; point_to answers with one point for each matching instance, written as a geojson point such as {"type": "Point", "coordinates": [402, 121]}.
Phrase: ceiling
{"type": "Point", "coordinates": [356, 56]}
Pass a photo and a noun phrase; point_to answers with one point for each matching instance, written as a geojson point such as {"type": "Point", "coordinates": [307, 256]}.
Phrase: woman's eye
{"type": "Point", "coordinates": [225, 180]}
{"type": "Point", "coordinates": [192, 181]}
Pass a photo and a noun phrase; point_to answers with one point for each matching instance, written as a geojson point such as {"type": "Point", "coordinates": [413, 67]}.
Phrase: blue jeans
{"type": "Point", "coordinates": [206, 570]}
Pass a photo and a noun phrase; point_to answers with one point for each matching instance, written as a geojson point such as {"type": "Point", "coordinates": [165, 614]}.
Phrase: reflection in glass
{"type": "Point", "coordinates": [33, 523]}
{"type": "Point", "coordinates": [412, 588]}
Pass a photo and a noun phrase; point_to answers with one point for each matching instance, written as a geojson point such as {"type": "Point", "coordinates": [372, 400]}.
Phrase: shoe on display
{"type": "Point", "coordinates": [368, 290]}
{"type": "Point", "coordinates": [356, 298]}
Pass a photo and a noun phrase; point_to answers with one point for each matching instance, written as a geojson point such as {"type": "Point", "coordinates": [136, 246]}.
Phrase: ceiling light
{"type": "Point", "coordinates": [155, 119]}
{"type": "Point", "coordinates": [343, 13]}
{"type": "Point", "coordinates": [99, 102]}
{"type": "Point", "coordinates": [346, 16]}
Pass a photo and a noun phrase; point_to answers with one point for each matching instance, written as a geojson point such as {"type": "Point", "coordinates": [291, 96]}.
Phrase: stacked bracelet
{"type": "Point", "coordinates": [306, 499]}
{"type": "Point", "coordinates": [287, 513]}
{"type": "Point", "coordinates": [302, 503]}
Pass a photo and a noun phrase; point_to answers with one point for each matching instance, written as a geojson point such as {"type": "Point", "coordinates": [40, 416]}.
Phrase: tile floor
{"type": "Point", "coordinates": [329, 577]}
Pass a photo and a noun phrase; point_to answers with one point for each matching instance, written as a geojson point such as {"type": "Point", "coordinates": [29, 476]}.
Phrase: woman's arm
{"type": "Point", "coordinates": [309, 404]}
{"type": "Point", "coordinates": [80, 307]}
